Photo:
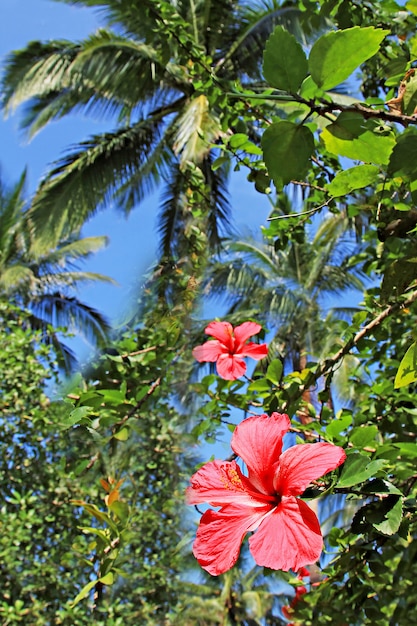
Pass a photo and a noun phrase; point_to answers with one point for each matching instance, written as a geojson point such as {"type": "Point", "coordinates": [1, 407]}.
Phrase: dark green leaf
{"type": "Point", "coordinates": [274, 371]}
{"type": "Point", "coordinates": [287, 150]}
{"type": "Point", "coordinates": [403, 160]}
{"type": "Point", "coordinates": [285, 64]}
{"type": "Point", "coordinates": [393, 516]}
{"type": "Point", "coordinates": [357, 469]}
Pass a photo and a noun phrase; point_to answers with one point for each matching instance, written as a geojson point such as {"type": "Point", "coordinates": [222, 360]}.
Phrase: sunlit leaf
{"type": "Point", "coordinates": [358, 468]}
{"type": "Point", "coordinates": [353, 178]}
{"type": "Point", "coordinates": [337, 54]}
{"type": "Point", "coordinates": [393, 516]}
{"type": "Point", "coordinates": [353, 137]}
{"type": "Point", "coordinates": [407, 371]}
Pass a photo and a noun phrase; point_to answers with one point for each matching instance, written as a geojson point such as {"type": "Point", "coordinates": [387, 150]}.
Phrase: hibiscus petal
{"type": "Point", "coordinates": [246, 330]}
{"type": "Point", "coordinates": [221, 482]}
{"type": "Point", "coordinates": [258, 441]}
{"type": "Point", "coordinates": [230, 367]}
{"type": "Point", "coordinates": [209, 351]}
{"type": "Point", "coordinates": [223, 331]}
{"type": "Point", "coordinates": [302, 463]}
{"type": "Point", "coordinates": [288, 538]}
{"type": "Point", "coordinates": [220, 534]}
{"type": "Point", "coordinates": [254, 350]}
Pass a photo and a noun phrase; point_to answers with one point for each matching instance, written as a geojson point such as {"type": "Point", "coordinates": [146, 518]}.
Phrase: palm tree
{"type": "Point", "coordinates": [159, 69]}
{"type": "Point", "coordinates": [43, 284]}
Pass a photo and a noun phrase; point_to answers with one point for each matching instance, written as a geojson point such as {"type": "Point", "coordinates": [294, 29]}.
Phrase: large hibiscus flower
{"type": "Point", "coordinates": [229, 348]}
{"type": "Point", "coordinates": [287, 533]}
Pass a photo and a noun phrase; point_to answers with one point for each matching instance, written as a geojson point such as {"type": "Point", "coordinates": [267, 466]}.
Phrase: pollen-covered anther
{"type": "Point", "coordinates": [231, 479]}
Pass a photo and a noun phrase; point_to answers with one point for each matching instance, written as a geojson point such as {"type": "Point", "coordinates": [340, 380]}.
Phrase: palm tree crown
{"type": "Point", "coordinates": [159, 69]}
{"type": "Point", "coordinates": [44, 284]}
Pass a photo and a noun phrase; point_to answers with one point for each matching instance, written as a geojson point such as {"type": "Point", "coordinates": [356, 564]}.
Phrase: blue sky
{"type": "Point", "coordinates": [133, 240]}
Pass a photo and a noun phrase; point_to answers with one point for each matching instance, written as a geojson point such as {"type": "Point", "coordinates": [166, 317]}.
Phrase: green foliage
{"type": "Point", "coordinates": [185, 81]}
{"type": "Point", "coordinates": [336, 55]}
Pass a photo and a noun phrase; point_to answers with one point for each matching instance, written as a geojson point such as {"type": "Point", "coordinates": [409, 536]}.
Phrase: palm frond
{"type": "Point", "coordinates": [38, 69]}
{"type": "Point", "coordinates": [88, 178]}
{"type": "Point", "coordinates": [74, 250]}
{"type": "Point", "coordinates": [171, 213]}
{"type": "Point", "coordinates": [195, 130]}
{"type": "Point", "coordinates": [17, 277]}
{"type": "Point", "coordinates": [219, 224]}
{"type": "Point", "coordinates": [62, 311]}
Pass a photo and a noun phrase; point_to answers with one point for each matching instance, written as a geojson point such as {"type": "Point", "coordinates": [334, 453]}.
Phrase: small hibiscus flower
{"type": "Point", "coordinates": [287, 533]}
{"type": "Point", "coordinates": [229, 348]}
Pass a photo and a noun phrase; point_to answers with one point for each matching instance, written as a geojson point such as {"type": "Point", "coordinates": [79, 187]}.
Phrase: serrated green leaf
{"type": "Point", "coordinates": [357, 469]}
{"type": "Point", "coordinates": [403, 160]}
{"type": "Point", "coordinates": [393, 516]}
{"type": "Point", "coordinates": [381, 486]}
{"type": "Point", "coordinates": [353, 178]}
{"type": "Point", "coordinates": [337, 54]}
{"type": "Point", "coordinates": [287, 150]}
{"type": "Point", "coordinates": [407, 371]}
{"type": "Point", "coordinates": [274, 371]}
{"type": "Point", "coordinates": [285, 63]}
{"type": "Point", "coordinates": [352, 137]}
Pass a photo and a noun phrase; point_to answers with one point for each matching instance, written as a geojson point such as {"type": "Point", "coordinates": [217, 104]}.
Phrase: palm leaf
{"type": "Point", "coordinates": [88, 178]}
{"type": "Point", "coordinates": [62, 311]}
{"type": "Point", "coordinates": [195, 130]}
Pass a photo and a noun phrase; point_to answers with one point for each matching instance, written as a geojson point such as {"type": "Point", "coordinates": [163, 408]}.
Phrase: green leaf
{"type": "Point", "coordinates": [381, 486]}
{"type": "Point", "coordinates": [410, 95]}
{"type": "Point", "coordinates": [403, 160]}
{"type": "Point", "coordinates": [76, 416]}
{"type": "Point", "coordinates": [337, 54]}
{"type": "Point", "coordinates": [397, 277]}
{"type": "Point", "coordinates": [407, 371]}
{"type": "Point", "coordinates": [393, 516]}
{"type": "Point", "coordinates": [285, 64]}
{"type": "Point", "coordinates": [274, 371]}
{"type": "Point", "coordinates": [84, 592]}
{"type": "Point", "coordinates": [357, 469]}
{"type": "Point", "coordinates": [363, 435]}
{"type": "Point", "coordinates": [259, 385]}
{"type": "Point", "coordinates": [337, 426]}
{"type": "Point", "coordinates": [354, 178]}
{"type": "Point", "coordinates": [352, 137]}
{"type": "Point", "coordinates": [287, 150]}
{"type": "Point", "coordinates": [121, 509]}
{"type": "Point", "coordinates": [122, 435]}
{"type": "Point", "coordinates": [108, 579]}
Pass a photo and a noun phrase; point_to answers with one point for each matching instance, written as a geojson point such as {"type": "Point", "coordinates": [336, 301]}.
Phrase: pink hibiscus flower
{"type": "Point", "coordinates": [229, 348]}
{"type": "Point", "coordinates": [288, 533]}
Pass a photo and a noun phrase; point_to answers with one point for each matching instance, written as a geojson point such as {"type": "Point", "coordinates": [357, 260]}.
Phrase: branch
{"type": "Point", "coordinates": [367, 112]}
{"type": "Point", "coordinates": [328, 364]}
